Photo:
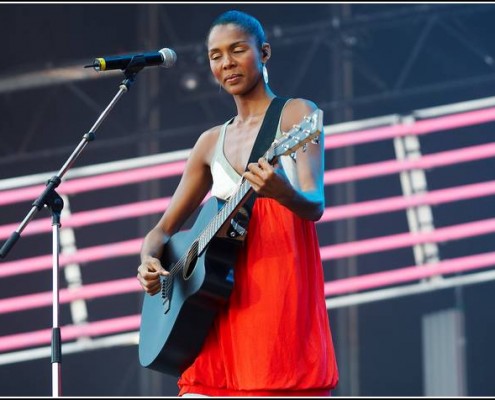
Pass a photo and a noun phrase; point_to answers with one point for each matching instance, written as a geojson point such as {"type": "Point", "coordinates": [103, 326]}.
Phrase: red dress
{"type": "Point", "coordinates": [274, 337]}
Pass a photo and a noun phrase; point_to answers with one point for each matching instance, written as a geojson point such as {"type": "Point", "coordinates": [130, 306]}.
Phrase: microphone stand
{"type": "Point", "coordinates": [51, 199]}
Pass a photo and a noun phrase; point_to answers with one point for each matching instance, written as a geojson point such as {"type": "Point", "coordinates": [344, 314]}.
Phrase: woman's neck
{"type": "Point", "coordinates": [253, 105]}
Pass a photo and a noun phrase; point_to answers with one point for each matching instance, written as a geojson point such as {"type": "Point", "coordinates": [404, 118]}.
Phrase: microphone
{"type": "Point", "coordinates": [165, 58]}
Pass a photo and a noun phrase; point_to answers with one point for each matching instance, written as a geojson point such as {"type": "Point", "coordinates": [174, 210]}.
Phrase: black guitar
{"type": "Point", "coordinates": [175, 323]}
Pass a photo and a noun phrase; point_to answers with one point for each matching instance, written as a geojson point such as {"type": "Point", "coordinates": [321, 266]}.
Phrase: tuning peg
{"type": "Point", "coordinates": [295, 139]}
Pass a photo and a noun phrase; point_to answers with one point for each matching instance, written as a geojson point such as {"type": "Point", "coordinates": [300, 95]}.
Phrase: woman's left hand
{"type": "Point", "coordinates": [268, 180]}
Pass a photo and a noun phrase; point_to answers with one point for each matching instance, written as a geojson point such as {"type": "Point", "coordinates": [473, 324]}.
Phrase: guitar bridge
{"type": "Point", "coordinates": [166, 292]}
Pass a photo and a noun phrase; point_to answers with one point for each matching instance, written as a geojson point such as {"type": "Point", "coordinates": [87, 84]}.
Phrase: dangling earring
{"type": "Point", "coordinates": [265, 73]}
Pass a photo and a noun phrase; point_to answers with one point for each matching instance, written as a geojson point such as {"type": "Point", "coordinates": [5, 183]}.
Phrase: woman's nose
{"type": "Point", "coordinates": [228, 61]}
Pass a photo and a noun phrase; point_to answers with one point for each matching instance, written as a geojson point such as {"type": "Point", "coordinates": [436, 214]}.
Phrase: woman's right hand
{"type": "Point", "coordinates": [148, 275]}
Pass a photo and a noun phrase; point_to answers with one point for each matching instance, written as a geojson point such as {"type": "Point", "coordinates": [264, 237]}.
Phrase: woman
{"type": "Point", "coordinates": [273, 338]}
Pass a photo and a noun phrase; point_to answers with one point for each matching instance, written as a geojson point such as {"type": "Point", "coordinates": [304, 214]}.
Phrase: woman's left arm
{"type": "Point", "coordinates": [308, 200]}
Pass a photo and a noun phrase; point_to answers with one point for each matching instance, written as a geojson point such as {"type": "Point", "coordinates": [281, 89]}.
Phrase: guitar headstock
{"type": "Point", "coordinates": [307, 130]}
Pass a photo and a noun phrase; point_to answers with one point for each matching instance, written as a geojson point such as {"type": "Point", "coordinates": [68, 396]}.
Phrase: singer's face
{"type": "Point", "coordinates": [234, 59]}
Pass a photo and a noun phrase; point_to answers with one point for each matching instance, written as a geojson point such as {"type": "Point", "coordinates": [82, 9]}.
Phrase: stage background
{"type": "Point", "coordinates": [358, 62]}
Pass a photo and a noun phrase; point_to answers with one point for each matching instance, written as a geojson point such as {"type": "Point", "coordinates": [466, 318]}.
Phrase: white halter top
{"type": "Point", "coordinates": [226, 180]}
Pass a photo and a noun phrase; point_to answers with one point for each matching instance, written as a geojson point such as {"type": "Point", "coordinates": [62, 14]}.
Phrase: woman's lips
{"type": "Point", "coordinates": [232, 78]}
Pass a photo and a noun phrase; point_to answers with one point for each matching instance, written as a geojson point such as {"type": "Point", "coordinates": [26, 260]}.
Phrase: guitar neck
{"type": "Point", "coordinates": [226, 212]}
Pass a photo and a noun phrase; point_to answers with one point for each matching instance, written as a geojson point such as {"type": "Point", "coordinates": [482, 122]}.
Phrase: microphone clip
{"type": "Point", "coordinates": [137, 63]}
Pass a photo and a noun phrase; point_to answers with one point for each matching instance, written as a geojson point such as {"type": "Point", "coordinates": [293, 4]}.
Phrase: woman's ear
{"type": "Point", "coordinates": [266, 52]}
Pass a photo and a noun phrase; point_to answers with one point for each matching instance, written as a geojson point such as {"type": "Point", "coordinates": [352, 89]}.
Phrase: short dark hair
{"type": "Point", "coordinates": [246, 22]}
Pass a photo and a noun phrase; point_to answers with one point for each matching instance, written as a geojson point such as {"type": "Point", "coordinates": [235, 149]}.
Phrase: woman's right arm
{"type": "Point", "coordinates": [194, 185]}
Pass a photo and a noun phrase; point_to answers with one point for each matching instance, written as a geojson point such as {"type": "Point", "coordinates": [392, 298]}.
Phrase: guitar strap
{"type": "Point", "coordinates": [265, 138]}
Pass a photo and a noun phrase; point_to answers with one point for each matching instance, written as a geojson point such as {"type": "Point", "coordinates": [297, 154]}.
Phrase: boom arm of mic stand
{"type": "Point", "coordinates": [136, 65]}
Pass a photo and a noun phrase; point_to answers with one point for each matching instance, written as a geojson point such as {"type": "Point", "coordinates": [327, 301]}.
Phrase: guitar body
{"type": "Point", "coordinates": [172, 335]}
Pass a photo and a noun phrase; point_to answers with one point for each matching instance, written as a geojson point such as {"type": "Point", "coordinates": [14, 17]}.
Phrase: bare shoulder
{"type": "Point", "coordinates": [209, 136]}
{"type": "Point", "coordinates": [205, 145]}
{"type": "Point", "coordinates": [295, 110]}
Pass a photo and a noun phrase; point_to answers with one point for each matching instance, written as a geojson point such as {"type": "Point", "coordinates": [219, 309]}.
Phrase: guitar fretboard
{"type": "Point", "coordinates": [223, 215]}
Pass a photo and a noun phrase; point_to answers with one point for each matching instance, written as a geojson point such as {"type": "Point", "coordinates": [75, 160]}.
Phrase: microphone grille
{"type": "Point", "coordinates": [169, 57]}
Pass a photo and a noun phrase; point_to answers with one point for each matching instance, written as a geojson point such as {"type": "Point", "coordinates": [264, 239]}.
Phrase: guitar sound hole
{"type": "Point", "coordinates": [190, 263]}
